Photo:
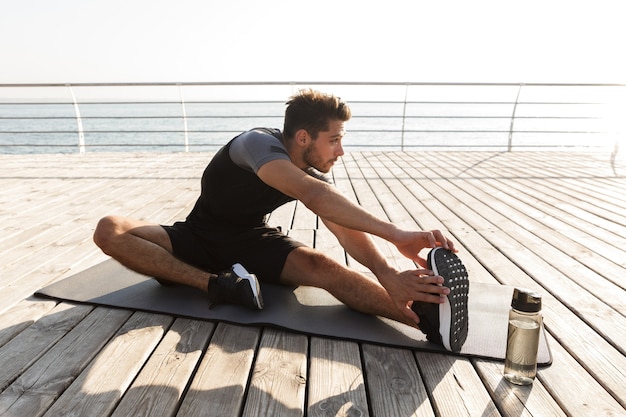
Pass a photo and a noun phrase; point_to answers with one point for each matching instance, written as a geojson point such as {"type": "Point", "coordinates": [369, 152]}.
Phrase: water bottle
{"type": "Point", "coordinates": [520, 364]}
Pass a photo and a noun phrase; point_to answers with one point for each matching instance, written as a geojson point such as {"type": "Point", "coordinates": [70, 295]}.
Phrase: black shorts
{"type": "Point", "coordinates": [262, 251]}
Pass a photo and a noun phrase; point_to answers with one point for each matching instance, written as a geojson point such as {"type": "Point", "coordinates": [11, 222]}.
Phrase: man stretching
{"type": "Point", "coordinates": [226, 235]}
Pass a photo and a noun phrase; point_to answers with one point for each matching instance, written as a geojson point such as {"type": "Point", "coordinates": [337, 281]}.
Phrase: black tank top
{"type": "Point", "coordinates": [233, 198]}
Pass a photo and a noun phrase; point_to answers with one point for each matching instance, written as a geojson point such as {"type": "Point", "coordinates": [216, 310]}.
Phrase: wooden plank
{"type": "Point", "coordinates": [219, 385]}
{"type": "Point", "coordinates": [375, 172]}
{"type": "Point", "coordinates": [566, 328]}
{"type": "Point", "coordinates": [604, 242]}
{"type": "Point", "coordinates": [40, 385]}
{"type": "Point", "coordinates": [559, 320]}
{"type": "Point", "coordinates": [599, 358]}
{"type": "Point", "coordinates": [572, 205]}
{"type": "Point", "coordinates": [29, 203]}
{"type": "Point", "coordinates": [480, 217]}
{"type": "Point", "coordinates": [336, 384]}
{"type": "Point", "coordinates": [283, 216]}
{"type": "Point", "coordinates": [326, 242]}
{"type": "Point", "coordinates": [599, 201]}
{"type": "Point", "coordinates": [278, 383]}
{"type": "Point", "coordinates": [47, 244]}
{"type": "Point", "coordinates": [455, 388]}
{"type": "Point", "coordinates": [552, 245]}
{"type": "Point", "coordinates": [68, 237]}
{"type": "Point", "coordinates": [352, 183]}
{"type": "Point", "coordinates": [421, 207]}
{"type": "Point", "coordinates": [513, 400]}
{"type": "Point", "coordinates": [606, 194]}
{"type": "Point", "coordinates": [588, 346]}
{"type": "Point", "coordinates": [579, 394]}
{"type": "Point", "coordinates": [411, 180]}
{"type": "Point", "coordinates": [402, 208]}
{"type": "Point", "coordinates": [101, 185]}
{"type": "Point", "coordinates": [39, 274]}
{"type": "Point", "coordinates": [303, 235]}
{"type": "Point", "coordinates": [555, 165]}
{"type": "Point", "coordinates": [304, 218]}
{"type": "Point", "coordinates": [64, 202]}
{"type": "Point", "coordinates": [159, 387]}
{"type": "Point", "coordinates": [529, 256]}
{"type": "Point", "coordinates": [99, 387]}
{"type": "Point", "coordinates": [21, 316]}
{"type": "Point", "coordinates": [22, 351]}
{"type": "Point", "coordinates": [394, 384]}
{"type": "Point", "coordinates": [398, 214]}
{"type": "Point", "coordinates": [360, 191]}
{"type": "Point", "coordinates": [516, 210]}
{"type": "Point", "coordinates": [479, 399]}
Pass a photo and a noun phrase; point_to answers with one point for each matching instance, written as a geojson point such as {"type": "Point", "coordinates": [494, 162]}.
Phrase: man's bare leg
{"type": "Point", "coordinates": [146, 248]}
{"type": "Point", "coordinates": [306, 266]}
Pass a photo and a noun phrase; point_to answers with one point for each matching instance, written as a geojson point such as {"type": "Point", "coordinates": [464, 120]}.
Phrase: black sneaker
{"type": "Point", "coordinates": [446, 324]}
{"type": "Point", "coordinates": [236, 286]}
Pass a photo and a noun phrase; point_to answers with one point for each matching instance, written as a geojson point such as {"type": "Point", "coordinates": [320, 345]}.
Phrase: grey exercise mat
{"type": "Point", "coordinates": [303, 309]}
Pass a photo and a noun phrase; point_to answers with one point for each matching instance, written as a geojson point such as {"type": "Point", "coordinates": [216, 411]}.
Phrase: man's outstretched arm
{"type": "Point", "coordinates": [402, 286]}
{"type": "Point", "coordinates": [328, 203]}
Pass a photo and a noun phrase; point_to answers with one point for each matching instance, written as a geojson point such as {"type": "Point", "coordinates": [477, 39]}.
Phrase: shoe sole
{"type": "Point", "coordinates": [254, 284]}
{"type": "Point", "coordinates": [453, 323]}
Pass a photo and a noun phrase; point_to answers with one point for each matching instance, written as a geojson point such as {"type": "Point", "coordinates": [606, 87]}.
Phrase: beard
{"type": "Point", "coordinates": [313, 159]}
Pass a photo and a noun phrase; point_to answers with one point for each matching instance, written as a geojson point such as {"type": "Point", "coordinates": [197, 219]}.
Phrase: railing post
{"type": "Point", "coordinates": [182, 104]}
{"type": "Point", "coordinates": [510, 145]}
{"type": "Point", "coordinates": [79, 122]}
{"type": "Point", "coordinates": [614, 155]}
{"type": "Point", "coordinates": [406, 95]}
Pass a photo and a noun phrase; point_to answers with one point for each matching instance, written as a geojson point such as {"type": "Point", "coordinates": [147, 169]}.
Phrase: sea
{"type": "Point", "coordinates": [418, 123]}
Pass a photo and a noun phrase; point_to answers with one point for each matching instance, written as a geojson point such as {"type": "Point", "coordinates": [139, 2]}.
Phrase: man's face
{"type": "Point", "coordinates": [323, 152]}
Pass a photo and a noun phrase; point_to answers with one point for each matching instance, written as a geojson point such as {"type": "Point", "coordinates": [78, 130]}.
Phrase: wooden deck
{"type": "Point", "coordinates": [554, 222]}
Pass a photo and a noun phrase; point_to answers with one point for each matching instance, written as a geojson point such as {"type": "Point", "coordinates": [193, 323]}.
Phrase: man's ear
{"type": "Point", "coordinates": [302, 137]}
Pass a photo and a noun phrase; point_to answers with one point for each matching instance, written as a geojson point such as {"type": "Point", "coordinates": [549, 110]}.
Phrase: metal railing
{"type": "Point", "coordinates": [389, 116]}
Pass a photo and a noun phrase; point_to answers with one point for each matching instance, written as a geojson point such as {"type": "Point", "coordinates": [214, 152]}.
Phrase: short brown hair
{"type": "Point", "coordinates": [313, 110]}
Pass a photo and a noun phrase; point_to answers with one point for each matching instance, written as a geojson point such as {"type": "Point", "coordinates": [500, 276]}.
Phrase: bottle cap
{"type": "Point", "coordinates": [526, 300]}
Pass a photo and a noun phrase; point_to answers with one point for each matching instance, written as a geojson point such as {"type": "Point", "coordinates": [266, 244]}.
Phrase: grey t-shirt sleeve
{"type": "Point", "coordinates": [252, 149]}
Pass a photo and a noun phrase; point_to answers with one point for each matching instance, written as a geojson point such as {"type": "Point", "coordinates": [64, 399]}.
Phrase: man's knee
{"type": "Point", "coordinates": [106, 230]}
{"type": "Point", "coordinates": [112, 232]}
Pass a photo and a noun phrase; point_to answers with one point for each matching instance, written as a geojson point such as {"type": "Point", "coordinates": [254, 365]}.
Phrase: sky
{"type": "Point", "coordinates": [85, 41]}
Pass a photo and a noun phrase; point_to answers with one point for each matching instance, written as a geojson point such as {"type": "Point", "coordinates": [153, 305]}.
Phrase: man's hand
{"type": "Point", "coordinates": [414, 285]}
{"type": "Point", "coordinates": [410, 244]}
